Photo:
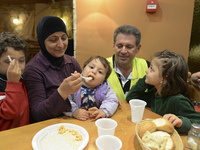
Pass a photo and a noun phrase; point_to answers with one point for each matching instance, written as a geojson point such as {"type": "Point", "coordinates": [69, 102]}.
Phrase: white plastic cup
{"type": "Point", "coordinates": [137, 109]}
{"type": "Point", "coordinates": [106, 126]}
{"type": "Point", "coordinates": [108, 142]}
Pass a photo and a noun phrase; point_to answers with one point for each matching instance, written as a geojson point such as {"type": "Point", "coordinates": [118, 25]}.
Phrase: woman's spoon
{"type": "Point", "coordinates": [87, 78]}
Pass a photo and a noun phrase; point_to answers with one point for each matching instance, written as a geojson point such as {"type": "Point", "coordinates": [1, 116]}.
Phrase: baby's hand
{"type": "Point", "coordinates": [14, 71]}
{"type": "Point", "coordinates": [177, 122]}
{"type": "Point", "coordinates": [81, 114]}
{"type": "Point", "coordinates": [119, 101]}
{"type": "Point", "coordinates": [97, 112]}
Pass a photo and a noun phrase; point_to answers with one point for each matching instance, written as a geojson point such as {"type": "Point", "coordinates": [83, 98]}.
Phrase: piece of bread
{"type": "Point", "coordinates": [90, 112]}
{"type": "Point", "coordinates": [164, 125]}
{"type": "Point", "coordinates": [170, 144]}
{"type": "Point", "coordinates": [158, 140]}
{"type": "Point", "coordinates": [147, 126]}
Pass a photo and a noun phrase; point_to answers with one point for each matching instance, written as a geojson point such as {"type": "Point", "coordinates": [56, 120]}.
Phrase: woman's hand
{"type": "Point", "coordinates": [81, 114]}
{"type": "Point", "coordinates": [70, 85]}
{"type": "Point", "coordinates": [97, 112]}
{"type": "Point", "coordinates": [177, 122]}
{"type": "Point", "coordinates": [14, 71]}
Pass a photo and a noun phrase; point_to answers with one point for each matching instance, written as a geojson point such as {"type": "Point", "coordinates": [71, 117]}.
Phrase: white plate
{"type": "Point", "coordinates": [50, 129]}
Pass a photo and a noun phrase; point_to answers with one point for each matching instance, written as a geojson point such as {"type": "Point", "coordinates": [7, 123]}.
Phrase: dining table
{"type": "Point", "coordinates": [20, 138]}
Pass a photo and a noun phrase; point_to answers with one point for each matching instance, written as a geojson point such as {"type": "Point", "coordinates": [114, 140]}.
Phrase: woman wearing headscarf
{"type": "Point", "coordinates": [47, 76]}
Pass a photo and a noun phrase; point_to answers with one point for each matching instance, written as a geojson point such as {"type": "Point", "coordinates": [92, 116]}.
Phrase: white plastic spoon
{"type": "Point", "coordinates": [87, 78]}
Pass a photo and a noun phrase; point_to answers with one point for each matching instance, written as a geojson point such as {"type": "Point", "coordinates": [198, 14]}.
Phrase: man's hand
{"type": "Point", "coordinates": [195, 79]}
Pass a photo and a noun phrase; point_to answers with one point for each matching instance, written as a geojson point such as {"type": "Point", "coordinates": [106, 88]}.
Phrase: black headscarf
{"type": "Point", "coordinates": [47, 26]}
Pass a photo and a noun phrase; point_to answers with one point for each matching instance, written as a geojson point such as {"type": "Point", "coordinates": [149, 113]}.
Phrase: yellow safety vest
{"type": "Point", "coordinates": [138, 71]}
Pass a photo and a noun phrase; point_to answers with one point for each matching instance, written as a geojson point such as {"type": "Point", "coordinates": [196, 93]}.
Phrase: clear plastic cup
{"type": "Point", "coordinates": [106, 126]}
{"type": "Point", "coordinates": [108, 142]}
{"type": "Point", "coordinates": [137, 109]}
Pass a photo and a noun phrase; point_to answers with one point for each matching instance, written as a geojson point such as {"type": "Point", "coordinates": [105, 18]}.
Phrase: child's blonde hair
{"type": "Point", "coordinates": [174, 71]}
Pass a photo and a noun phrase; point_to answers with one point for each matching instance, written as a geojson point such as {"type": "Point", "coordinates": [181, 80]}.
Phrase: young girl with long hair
{"type": "Point", "coordinates": [169, 96]}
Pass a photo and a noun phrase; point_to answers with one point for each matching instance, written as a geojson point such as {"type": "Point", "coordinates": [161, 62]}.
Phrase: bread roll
{"type": "Point", "coordinates": [158, 140]}
{"type": "Point", "coordinates": [164, 125]}
{"type": "Point", "coordinates": [147, 126]}
{"type": "Point", "coordinates": [170, 144]}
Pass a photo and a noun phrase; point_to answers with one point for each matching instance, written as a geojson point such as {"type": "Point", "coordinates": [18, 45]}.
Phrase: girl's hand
{"type": "Point", "coordinates": [14, 71]}
{"type": "Point", "coordinates": [81, 114]}
{"type": "Point", "coordinates": [177, 122]}
{"type": "Point", "coordinates": [70, 85]}
{"type": "Point", "coordinates": [97, 112]}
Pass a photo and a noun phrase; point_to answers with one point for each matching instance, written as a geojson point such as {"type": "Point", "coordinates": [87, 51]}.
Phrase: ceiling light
{"type": "Point", "coordinates": [15, 21]}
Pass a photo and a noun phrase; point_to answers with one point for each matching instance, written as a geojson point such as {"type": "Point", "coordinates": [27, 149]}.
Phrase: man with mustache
{"type": "Point", "coordinates": [126, 68]}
